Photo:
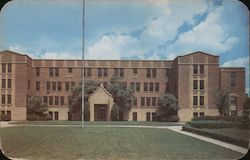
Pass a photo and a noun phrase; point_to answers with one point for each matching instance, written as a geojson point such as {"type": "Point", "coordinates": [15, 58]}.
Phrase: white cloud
{"type": "Point", "coordinates": [239, 62]}
{"type": "Point", "coordinates": [113, 47]}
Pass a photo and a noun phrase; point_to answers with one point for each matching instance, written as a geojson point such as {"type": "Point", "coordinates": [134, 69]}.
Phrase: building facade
{"type": "Point", "coordinates": [192, 78]}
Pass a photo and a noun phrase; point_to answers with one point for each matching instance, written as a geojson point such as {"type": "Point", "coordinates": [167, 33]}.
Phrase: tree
{"type": "Point", "coordinates": [115, 113]}
{"type": "Point", "coordinates": [221, 98]}
{"type": "Point", "coordinates": [123, 97]}
{"type": "Point", "coordinates": [168, 106]}
{"type": "Point", "coordinates": [246, 113]}
{"type": "Point", "coordinates": [76, 98]}
{"type": "Point", "coordinates": [36, 109]}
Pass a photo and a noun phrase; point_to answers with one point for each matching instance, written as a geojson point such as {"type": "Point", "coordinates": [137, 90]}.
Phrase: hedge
{"type": "Point", "coordinates": [5, 117]}
{"type": "Point", "coordinates": [223, 118]}
{"type": "Point", "coordinates": [213, 124]}
{"type": "Point", "coordinates": [238, 142]}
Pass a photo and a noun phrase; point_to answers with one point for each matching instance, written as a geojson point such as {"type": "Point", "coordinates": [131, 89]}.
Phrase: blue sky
{"type": "Point", "coordinates": [132, 29]}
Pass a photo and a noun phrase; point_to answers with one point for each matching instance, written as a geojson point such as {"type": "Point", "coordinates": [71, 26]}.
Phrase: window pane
{"type": "Point", "coordinates": [195, 84]}
{"type": "Point", "coordinates": [154, 72]}
{"type": "Point", "coordinates": [145, 86]}
{"type": "Point", "coordinates": [201, 100]}
{"type": "Point", "coordinates": [135, 70]}
{"type": "Point", "coordinates": [201, 69]}
{"type": "Point", "coordinates": [9, 83]}
{"type": "Point", "coordinates": [3, 68]}
{"type": "Point", "coordinates": [51, 73]}
{"type": "Point", "coordinates": [3, 83]}
{"type": "Point", "coordinates": [232, 79]}
{"type": "Point", "coordinates": [151, 86]}
{"type": "Point", "coordinates": [195, 68]}
{"type": "Point", "coordinates": [195, 100]}
{"type": "Point", "coordinates": [56, 71]}
{"type": "Point", "coordinates": [9, 68]}
{"type": "Point", "coordinates": [9, 99]}
{"type": "Point", "coordinates": [201, 84]}
{"type": "Point", "coordinates": [148, 72]}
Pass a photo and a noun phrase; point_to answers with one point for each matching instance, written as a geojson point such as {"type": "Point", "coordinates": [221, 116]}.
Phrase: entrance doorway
{"type": "Point", "coordinates": [101, 112]}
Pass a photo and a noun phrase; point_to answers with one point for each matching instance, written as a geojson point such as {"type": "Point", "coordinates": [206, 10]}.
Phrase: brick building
{"type": "Point", "coordinates": [191, 78]}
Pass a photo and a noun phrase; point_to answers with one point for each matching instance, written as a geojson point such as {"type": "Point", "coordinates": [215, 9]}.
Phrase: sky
{"type": "Point", "coordinates": [132, 29]}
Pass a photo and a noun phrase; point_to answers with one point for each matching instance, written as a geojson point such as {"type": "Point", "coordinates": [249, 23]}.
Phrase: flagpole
{"type": "Point", "coordinates": [83, 64]}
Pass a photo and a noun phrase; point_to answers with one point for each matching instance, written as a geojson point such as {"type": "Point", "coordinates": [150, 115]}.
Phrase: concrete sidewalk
{"type": "Point", "coordinates": [210, 140]}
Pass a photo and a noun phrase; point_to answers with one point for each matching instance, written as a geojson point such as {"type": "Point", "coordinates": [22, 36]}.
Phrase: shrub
{"type": "Point", "coordinates": [225, 138]}
{"type": "Point", "coordinates": [5, 117]}
{"type": "Point", "coordinates": [115, 113]}
{"type": "Point", "coordinates": [173, 118]}
{"type": "Point", "coordinates": [224, 118]}
{"type": "Point", "coordinates": [34, 117]}
{"type": "Point", "coordinates": [213, 124]}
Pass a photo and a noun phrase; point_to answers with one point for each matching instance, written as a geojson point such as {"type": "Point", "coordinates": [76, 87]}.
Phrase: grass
{"type": "Point", "coordinates": [40, 143]}
{"type": "Point", "coordinates": [97, 123]}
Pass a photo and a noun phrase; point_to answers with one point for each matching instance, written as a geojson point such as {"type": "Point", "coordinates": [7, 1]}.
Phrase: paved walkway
{"type": "Point", "coordinates": [173, 128]}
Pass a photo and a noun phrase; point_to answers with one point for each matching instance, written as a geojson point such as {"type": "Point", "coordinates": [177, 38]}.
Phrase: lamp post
{"type": "Point", "coordinates": [83, 64]}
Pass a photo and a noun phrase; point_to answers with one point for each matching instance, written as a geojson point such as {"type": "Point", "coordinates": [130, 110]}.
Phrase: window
{"type": "Point", "coordinates": [51, 73]}
{"type": "Point", "coordinates": [201, 100]}
{"type": "Point", "coordinates": [37, 85]}
{"type": "Point", "coordinates": [201, 84]}
{"type": "Point", "coordinates": [3, 68]}
{"type": "Point", "coordinates": [195, 84]}
{"type": "Point", "coordinates": [153, 101]}
{"type": "Point", "coordinates": [56, 100]}
{"type": "Point", "coordinates": [135, 101]}
{"type": "Point", "coordinates": [28, 84]}
{"type": "Point", "coordinates": [48, 86]}
{"type": "Point", "coordinates": [56, 115]}
{"type": "Point", "coordinates": [121, 72]}
{"type": "Point", "coordinates": [54, 86]}
{"type": "Point", "coordinates": [3, 99]}
{"type": "Point", "coordinates": [195, 114]}
{"type": "Point", "coordinates": [233, 100]}
{"type": "Point", "coordinates": [154, 116]}
{"type": "Point", "coordinates": [148, 101]}
{"type": "Point", "coordinates": [132, 85]}
{"type": "Point", "coordinates": [9, 113]}
{"type": "Point", "coordinates": [148, 72]}
{"type": "Point", "coordinates": [9, 83]}
{"type": "Point", "coordinates": [70, 70]}
{"type": "Point", "coordinates": [157, 86]}
{"type": "Point", "coordinates": [67, 86]}
{"type": "Point", "coordinates": [8, 99]}
{"type": "Point", "coordinates": [99, 72]}
{"type": "Point", "coordinates": [56, 71]}
{"type": "Point", "coordinates": [45, 99]}
{"type": "Point", "coordinates": [3, 83]}
{"type": "Point", "coordinates": [167, 72]}
{"type": "Point", "coordinates": [201, 69]}
{"type": "Point", "coordinates": [87, 72]}
{"type": "Point", "coordinates": [37, 71]}
{"type": "Point", "coordinates": [134, 116]}
{"type": "Point", "coordinates": [50, 100]}
{"type": "Point", "coordinates": [195, 100]}
{"type": "Point", "coordinates": [195, 69]}
{"type": "Point", "coordinates": [154, 72]}
{"type": "Point", "coordinates": [59, 86]}
{"type": "Point", "coordinates": [9, 68]}
{"type": "Point", "coordinates": [151, 86]}
{"type": "Point", "coordinates": [116, 72]}
{"type": "Point", "coordinates": [148, 118]}
{"type": "Point", "coordinates": [145, 86]}
{"type": "Point", "coordinates": [135, 71]}
{"type": "Point", "coordinates": [142, 101]}
{"type": "Point", "coordinates": [202, 114]}
{"type": "Point", "coordinates": [137, 86]}
{"type": "Point", "coordinates": [232, 79]}
{"type": "Point", "coordinates": [105, 72]}
{"type": "Point", "coordinates": [2, 112]}
{"type": "Point", "coordinates": [167, 87]}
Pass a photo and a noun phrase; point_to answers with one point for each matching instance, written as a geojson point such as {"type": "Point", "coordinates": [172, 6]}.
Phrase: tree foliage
{"type": "Point", "coordinates": [36, 108]}
{"type": "Point", "coordinates": [221, 100]}
{"type": "Point", "coordinates": [76, 98]}
{"type": "Point", "coordinates": [246, 113]}
{"type": "Point", "coordinates": [168, 106]}
{"type": "Point", "coordinates": [123, 97]}
{"type": "Point", "coordinates": [115, 113]}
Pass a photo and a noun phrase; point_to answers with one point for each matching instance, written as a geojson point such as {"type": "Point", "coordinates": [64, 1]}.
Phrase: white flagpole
{"type": "Point", "coordinates": [83, 64]}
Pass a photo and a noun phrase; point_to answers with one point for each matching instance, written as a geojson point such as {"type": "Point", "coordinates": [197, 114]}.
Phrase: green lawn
{"type": "Point", "coordinates": [106, 143]}
{"type": "Point", "coordinates": [97, 123]}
